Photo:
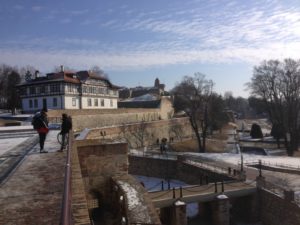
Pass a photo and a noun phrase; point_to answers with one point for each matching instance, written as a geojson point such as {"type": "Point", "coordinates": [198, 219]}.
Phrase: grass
{"type": "Point", "coordinates": [215, 143]}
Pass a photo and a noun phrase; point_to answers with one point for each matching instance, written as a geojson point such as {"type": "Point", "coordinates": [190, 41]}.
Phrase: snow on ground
{"type": "Point", "coordinates": [9, 143]}
{"type": "Point", "coordinates": [83, 134]}
{"type": "Point", "coordinates": [235, 159]}
{"type": "Point", "coordinates": [15, 116]}
{"type": "Point", "coordinates": [10, 128]}
{"type": "Point", "coordinates": [155, 184]}
{"type": "Point", "coordinates": [134, 203]}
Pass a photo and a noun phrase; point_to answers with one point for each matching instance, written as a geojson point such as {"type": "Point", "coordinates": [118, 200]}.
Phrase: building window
{"type": "Point", "coordinates": [30, 103]}
{"type": "Point", "coordinates": [54, 88]}
{"type": "Point", "coordinates": [89, 102]}
{"type": "Point", "coordinates": [32, 90]}
{"type": "Point", "coordinates": [102, 102]}
{"type": "Point", "coordinates": [96, 102]}
{"type": "Point", "coordinates": [35, 103]}
{"type": "Point", "coordinates": [70, 88]}
{"type": "Point", "coordinates": [54, 102]}
{"type": "Point", "coordinates": [23, 91]}
{"type": "Point", "coordinates": [73, 101]}
{"type": "Point", "coordinates": [111, 103]}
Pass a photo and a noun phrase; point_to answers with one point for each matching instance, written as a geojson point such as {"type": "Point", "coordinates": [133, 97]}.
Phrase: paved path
{"type": "Point", "coordinates": [33, 193]}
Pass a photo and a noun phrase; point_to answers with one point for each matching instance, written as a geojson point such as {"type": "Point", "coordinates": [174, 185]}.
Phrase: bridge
{"type": "Point", "coordinates": [201, 193]}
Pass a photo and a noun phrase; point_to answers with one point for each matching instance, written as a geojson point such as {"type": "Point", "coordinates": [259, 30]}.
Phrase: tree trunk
{"type": "Point", "coordinates": [196, 131]}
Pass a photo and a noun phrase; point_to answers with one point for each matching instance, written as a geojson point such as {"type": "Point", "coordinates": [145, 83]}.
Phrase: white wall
{"type": "Point", "coordinates": [68, 102]}
{"type": "Point", "coordinates": [25, 103]}
{"type": "Point", "coordinates": [106, 103]}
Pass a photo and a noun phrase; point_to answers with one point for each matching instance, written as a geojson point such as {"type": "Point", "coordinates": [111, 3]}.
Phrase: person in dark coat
{"type": "Point", "coordinates": [66, 125]}
{"type": "Point", "coordinates": [42, 128]}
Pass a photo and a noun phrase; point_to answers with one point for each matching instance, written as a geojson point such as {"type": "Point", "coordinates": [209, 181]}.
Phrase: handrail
{"type": "Point", "coordinates": [66, 218]}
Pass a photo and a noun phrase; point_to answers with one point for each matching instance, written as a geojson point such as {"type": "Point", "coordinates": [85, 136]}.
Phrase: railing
{"type": "Point", "coordinates": [276, 189]}
{"type": "Point", "coordinates": [216, 187]}
{"type": "Point", "coordinates": [270, 164]}
{"type": "Point", "coordinates": [66, 216]}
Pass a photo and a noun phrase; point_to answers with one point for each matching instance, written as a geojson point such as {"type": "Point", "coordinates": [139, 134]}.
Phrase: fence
{"type": "Point", "coordinates": [66, 215]}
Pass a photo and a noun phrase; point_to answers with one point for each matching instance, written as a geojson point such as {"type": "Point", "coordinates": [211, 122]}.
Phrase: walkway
{"type": "Point", "coordinates": [33, 193]}
{"type": "Point", "coordinates": [203, 193]}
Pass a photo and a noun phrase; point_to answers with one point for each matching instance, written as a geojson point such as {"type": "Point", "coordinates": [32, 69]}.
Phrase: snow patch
{"type": "Point", "coordinates": [134, 202]}
{"type": "Point", "coordinates": [83, 134]}
{"type": "Point", "coordinates": [179, 203]}
{"type": "Point", "coordinates": [221, 197]}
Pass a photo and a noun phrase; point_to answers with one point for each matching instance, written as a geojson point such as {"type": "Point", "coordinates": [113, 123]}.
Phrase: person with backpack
{"type": "Point", "coordinates": [66, 126]}
{"type": "Point", "coordinates": [40, 124]}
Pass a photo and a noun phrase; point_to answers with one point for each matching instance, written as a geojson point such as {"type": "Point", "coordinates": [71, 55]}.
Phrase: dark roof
{"type": "Point", "coordinates": [139, 104]}
{"type": "Point", "coordinates": [69, 77]}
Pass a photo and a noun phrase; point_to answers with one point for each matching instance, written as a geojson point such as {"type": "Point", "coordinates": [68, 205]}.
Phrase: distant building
{"type": "Point", "coordinates": [148, 98]}
{"type": "Point", "coordinates": [158, 90]}
{"type": "Point", "coordinates": [67, 90]}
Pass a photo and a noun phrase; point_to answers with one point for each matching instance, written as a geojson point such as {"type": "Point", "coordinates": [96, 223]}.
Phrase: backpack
{"type": "Point", "coordinates": [35, 122]}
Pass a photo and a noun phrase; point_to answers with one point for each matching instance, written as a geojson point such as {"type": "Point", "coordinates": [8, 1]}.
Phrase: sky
{"type": "Point", "coordinates": [135, 41]}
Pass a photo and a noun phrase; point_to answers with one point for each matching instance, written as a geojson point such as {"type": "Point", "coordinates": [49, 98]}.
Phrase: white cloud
{"type": "Point", "coordinates": [138, 59]}
{"type": "Point", "coordinates": [195, 33]}
{"type": "Point", "coordinates": [36, 8]}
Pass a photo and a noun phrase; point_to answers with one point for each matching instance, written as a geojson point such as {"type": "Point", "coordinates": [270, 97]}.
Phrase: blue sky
{"type": "Point", "coordinates": [135, 41]}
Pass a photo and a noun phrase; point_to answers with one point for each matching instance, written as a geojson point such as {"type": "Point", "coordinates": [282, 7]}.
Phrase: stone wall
{"type": "Point", "coordinates": [151, 131]}
{"type": "Point", "coordinates": [172, 169]}
{"type": "Point", "coordinates": [193, 175]}
{"type": "Point", "coordinates": [98, 163]}
{"type": "Point", "coordinates": [276, 210]}
{"type": "Point", "coordinates": [152, 167]}
{"type": "Point", "coordinates": [135, 205]}
{"type": "Point", "coordinates": [80, 213]}
{"type": "Point", "coordinates": [81, 112]}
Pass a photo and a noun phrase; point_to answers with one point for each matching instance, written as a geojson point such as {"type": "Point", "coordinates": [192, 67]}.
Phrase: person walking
{"type": "Point", "coordinates": [66, 125]}
{"type": "Point", "coordinates": [40, 123]}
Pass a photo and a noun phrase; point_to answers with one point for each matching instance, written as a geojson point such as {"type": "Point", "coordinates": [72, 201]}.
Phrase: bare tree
{"type": "Point", "coordinates": [136, 134]}
{"type": "Point", "coordinates": [193, 95]}
{"type": "Point", "coordinates": [99, 72]}
{"type": "Point", "coordinates": [176, 131]}
{"type": "Point", "coordinates": [277, 83]}
{"type": "Point", "coordinates": [139, 133]}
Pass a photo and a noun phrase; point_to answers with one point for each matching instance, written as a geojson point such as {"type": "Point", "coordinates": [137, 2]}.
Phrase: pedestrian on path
{"type": "Point", "coordinates": [40, 123]}
{"type": "Point", "coordinates": [66, 126]}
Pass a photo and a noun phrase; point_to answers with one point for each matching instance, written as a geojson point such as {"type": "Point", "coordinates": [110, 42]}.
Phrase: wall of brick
{"type": "Point", "coordinates": [277, 211]}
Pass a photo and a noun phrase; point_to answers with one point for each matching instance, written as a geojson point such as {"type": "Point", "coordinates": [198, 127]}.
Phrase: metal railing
{"type": "Point", "coordinates": [66, 215]}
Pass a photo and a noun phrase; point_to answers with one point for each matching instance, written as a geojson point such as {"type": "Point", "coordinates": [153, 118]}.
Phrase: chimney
{"type": "Point", "coordinates": [62, 68]}
{"type": "Point", "coordinates": [36, 74]}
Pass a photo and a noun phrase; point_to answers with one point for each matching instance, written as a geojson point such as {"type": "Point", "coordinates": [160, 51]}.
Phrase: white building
{"type": "Point", "coordinates": [68, 90]}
